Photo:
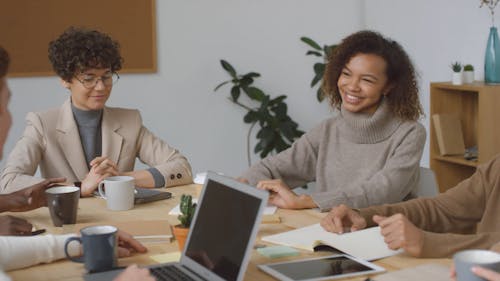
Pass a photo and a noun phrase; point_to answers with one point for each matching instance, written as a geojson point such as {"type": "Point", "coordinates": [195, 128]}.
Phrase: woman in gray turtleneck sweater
{"type": "Point", "coordinates": [369, 153]}
{"type": "Point", "coordinates": [84, 140]}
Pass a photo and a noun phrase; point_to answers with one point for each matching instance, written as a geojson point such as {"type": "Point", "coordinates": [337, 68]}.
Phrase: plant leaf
{"type": "Point", "coordinates": [251, 75]}
{"type": "Point", "coordinates": [328, 50]}
{"type": "Point", "coordinates": [318, 54]}
{"type": "Point", "coordinates": [319, 68]}
{"type": "Point", "coordinates": [311, 43]}
{"type": "Point", "coordinates": [277, 100]}
{"type": "Point", "coordinates": [319, 95]}
{"type": "Point", "coordinates": [280, 110]}
{"type": "Point", "coordinates": [251, 117]}
{"type": "Point", "coordinates": [254, 93]}
{"type": "Point", "coordinates": [229, 68]}
{"type": "Point", "coordinates": [221, 84]}
{"type": "Point", "coordinates": [246, 81]}
{"type": "Point", "coordinates": [316, 79]}
{"type": "Point", "coordinates": [235, 93]}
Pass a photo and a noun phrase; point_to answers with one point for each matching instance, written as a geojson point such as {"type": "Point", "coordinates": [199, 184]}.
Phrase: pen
{"type": "Point", "coordinates": [38, 231]}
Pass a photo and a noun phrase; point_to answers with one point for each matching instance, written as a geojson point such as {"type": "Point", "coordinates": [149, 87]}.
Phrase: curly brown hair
{"type": "Point", "coordinates": [403, 97]}
{"type": "Point", "coordinates": [4, 62]}
{"type": "Point", "coordinates": [79, 49]}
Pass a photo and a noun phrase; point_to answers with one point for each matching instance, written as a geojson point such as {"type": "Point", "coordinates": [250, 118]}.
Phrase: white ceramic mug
{"type": "Point", "coordinates": [465, 260]}
{"type": "Point", "coordinates": [119, 192]}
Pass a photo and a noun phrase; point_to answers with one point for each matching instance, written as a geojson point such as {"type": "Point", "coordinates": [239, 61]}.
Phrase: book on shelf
{"type": "Point", "coordinates": [147, 231]}
{"type": "Point", "coordinates": [367, 244]}
{"type": "Point", "coordinates": [449, 135]}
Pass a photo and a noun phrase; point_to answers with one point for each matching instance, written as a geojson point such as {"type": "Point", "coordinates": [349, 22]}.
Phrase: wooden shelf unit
{"type": "Point", "coordinates": [478, 106]}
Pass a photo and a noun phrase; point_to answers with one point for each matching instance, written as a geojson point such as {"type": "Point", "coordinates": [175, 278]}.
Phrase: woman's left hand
{"type": "Point", "coordinates": [282, 196]}
{"type": "Point", "coordinates": [101, 168]}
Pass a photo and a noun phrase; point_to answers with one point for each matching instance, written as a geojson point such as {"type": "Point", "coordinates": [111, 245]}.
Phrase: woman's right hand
{"type": "Point", "coordinates": [101, 168]}
{"type": "Point", "coordinates": [341, 217]}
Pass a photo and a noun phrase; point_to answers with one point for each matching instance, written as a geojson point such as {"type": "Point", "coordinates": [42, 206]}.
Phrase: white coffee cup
{"type": "Point", "coordinates": [119, 192]}
{"type": "Point", "coordinates": [465, 260]}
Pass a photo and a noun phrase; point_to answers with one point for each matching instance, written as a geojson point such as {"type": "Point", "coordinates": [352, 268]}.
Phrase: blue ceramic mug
{"type": "Point", "coordinates": [100, 248]}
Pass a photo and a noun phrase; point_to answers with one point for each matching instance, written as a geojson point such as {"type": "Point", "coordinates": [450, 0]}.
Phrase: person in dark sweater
{"type": "Point", "coordinates": [84, 140]}
{"type": "Point", "coordinates": [369, 153]}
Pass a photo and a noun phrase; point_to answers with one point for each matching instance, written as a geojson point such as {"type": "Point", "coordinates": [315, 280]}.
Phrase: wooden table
{"type": "Point", "coordinates": [92, 210]}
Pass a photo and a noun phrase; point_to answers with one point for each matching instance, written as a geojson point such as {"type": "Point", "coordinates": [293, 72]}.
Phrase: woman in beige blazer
{"type": "Point", "coordinates": [84, 140]}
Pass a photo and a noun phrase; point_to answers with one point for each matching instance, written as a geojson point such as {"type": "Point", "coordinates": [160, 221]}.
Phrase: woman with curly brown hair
{"type": "Point", "coordinates": [84, 140]}
{"type": "Point", "coordinates": [369, 153]}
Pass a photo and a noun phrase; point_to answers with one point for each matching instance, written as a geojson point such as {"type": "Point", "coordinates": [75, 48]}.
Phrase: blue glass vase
{"type": "Point", "coordinates": [492, 58]}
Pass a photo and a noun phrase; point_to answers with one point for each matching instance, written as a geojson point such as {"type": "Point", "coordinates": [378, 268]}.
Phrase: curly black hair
{"type": "Point", "coordinates": [4, 62]}
{"type": "Point", "coordinates": [403, 97]}
{"type": "Point", "coordinates": [79, 49]}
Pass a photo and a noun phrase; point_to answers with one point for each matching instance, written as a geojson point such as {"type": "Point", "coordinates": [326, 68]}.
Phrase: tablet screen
{"type": "Point", "coordinates": [321, 268]}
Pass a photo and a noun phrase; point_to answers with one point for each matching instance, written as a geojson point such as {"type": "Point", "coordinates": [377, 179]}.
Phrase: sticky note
{"type": "Point", "coordinates": [277, 251]}
{"type": "Point", "coordinates": [168, 257]}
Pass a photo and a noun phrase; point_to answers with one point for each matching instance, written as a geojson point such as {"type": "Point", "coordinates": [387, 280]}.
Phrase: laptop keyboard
{"type": "Point", "coordinates": [169, 272]}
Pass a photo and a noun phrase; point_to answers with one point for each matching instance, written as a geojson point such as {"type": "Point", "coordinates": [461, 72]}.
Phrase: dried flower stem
{"type": "Point", "coordinates": [491, 4]}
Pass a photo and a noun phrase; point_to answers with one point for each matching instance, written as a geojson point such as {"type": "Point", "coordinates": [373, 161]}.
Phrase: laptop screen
{"type": "Point", "coordinates": [223, 228]}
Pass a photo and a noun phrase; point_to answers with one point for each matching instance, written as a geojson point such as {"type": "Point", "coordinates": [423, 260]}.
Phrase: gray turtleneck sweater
{"type": "Point", "coordinates": [89, 127]}
{"type": "Point", "coordinates": [355, 159]}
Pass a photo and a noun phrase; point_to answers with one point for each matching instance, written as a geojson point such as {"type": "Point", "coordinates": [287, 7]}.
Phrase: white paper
{"type": "Point", "coordinates": [269, 210]}
{"type": "Point", "coordinates": [367, 244]}
{"type": "Point", "coordinates": [200, 177]}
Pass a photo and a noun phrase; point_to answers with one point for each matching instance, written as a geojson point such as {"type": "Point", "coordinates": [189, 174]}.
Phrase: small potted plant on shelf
{"type": "Point", "coordinates": [468, 74]}
{"type": "Point", "coordinates": [187, 208]}
{"type": "Point", "coordinates": [457, 73]}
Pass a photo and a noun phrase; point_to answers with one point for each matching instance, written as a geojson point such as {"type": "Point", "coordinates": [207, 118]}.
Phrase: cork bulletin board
{"type": "Point", "coordinates": [27, 27]}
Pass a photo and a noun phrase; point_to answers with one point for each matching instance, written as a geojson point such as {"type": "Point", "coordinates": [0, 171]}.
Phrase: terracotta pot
{"type": "Point", "coordinates": [180, 234]}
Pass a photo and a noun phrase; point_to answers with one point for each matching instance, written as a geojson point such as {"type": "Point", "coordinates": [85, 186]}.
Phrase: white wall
{"type": "Point", "coordinates": [434, 33]}
{"type": "Point", "coordinates": [178, 102]}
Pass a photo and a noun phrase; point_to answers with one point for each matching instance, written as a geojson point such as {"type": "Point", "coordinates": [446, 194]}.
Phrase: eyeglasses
{"type": "Point", "coordinates": [89, 81]}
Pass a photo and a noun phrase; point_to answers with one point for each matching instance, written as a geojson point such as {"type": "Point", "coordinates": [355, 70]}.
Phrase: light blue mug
{"type": "Point", "coordinates": [465, 260]}
{"type": "Point", "coordinates": [100, 248]}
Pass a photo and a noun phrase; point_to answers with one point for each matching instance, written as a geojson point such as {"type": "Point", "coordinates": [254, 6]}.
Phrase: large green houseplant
{"type": "Point", "coordinates": [319, 67]}
{"type": "Point", "coordinates": [277, 130]}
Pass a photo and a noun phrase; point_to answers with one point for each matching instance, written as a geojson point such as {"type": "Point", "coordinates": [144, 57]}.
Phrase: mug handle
{"type": "Point", "coordinates": [101, 191]}
{"type": "Point", "coordinates": [74, 259]}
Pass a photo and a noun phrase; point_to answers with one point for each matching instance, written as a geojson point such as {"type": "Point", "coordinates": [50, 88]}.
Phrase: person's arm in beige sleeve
{"type": "Point", "coordinates": [23, 160]}
{"type": "Point", "coordinates": [163, 158]}
{"type": "Point", "coordinates": [472, 204]}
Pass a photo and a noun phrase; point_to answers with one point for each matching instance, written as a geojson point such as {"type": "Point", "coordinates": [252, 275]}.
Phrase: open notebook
{"type": "Point", "coordinates": [367, 244]}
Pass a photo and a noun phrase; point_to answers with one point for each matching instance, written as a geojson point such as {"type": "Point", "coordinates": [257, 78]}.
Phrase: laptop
{"type": "Point", "coordinates": [222, 234]}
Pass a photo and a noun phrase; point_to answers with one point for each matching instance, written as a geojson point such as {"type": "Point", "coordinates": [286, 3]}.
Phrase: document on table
{"type": "Point", "coordinates": [269, 210]}
{"type": "Point", "coordinates": [367, 244]}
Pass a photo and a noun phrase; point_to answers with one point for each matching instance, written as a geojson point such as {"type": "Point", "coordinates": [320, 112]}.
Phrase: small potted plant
{"type": "Point", "coordinates": [181, 230]}
{"type": "Point", "coordinates": [457, 73]}
{"type": "Point", "coordinates": [468, 74]}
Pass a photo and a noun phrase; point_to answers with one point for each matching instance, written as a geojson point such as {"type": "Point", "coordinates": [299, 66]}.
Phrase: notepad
{"type": "Point", "coordinates": [273, 252]}
{"type": "Point", "coordinates": [147, 231]}
{"type": "Point", "coordinates": [367, 244]}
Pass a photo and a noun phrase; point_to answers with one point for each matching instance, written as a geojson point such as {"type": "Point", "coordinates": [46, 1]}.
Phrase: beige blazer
{"type": "Point", "coordinates": [51, 141]}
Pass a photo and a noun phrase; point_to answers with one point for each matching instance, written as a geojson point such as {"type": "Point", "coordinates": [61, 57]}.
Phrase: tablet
{"type": "Point", "coordinates": [322, 268]}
